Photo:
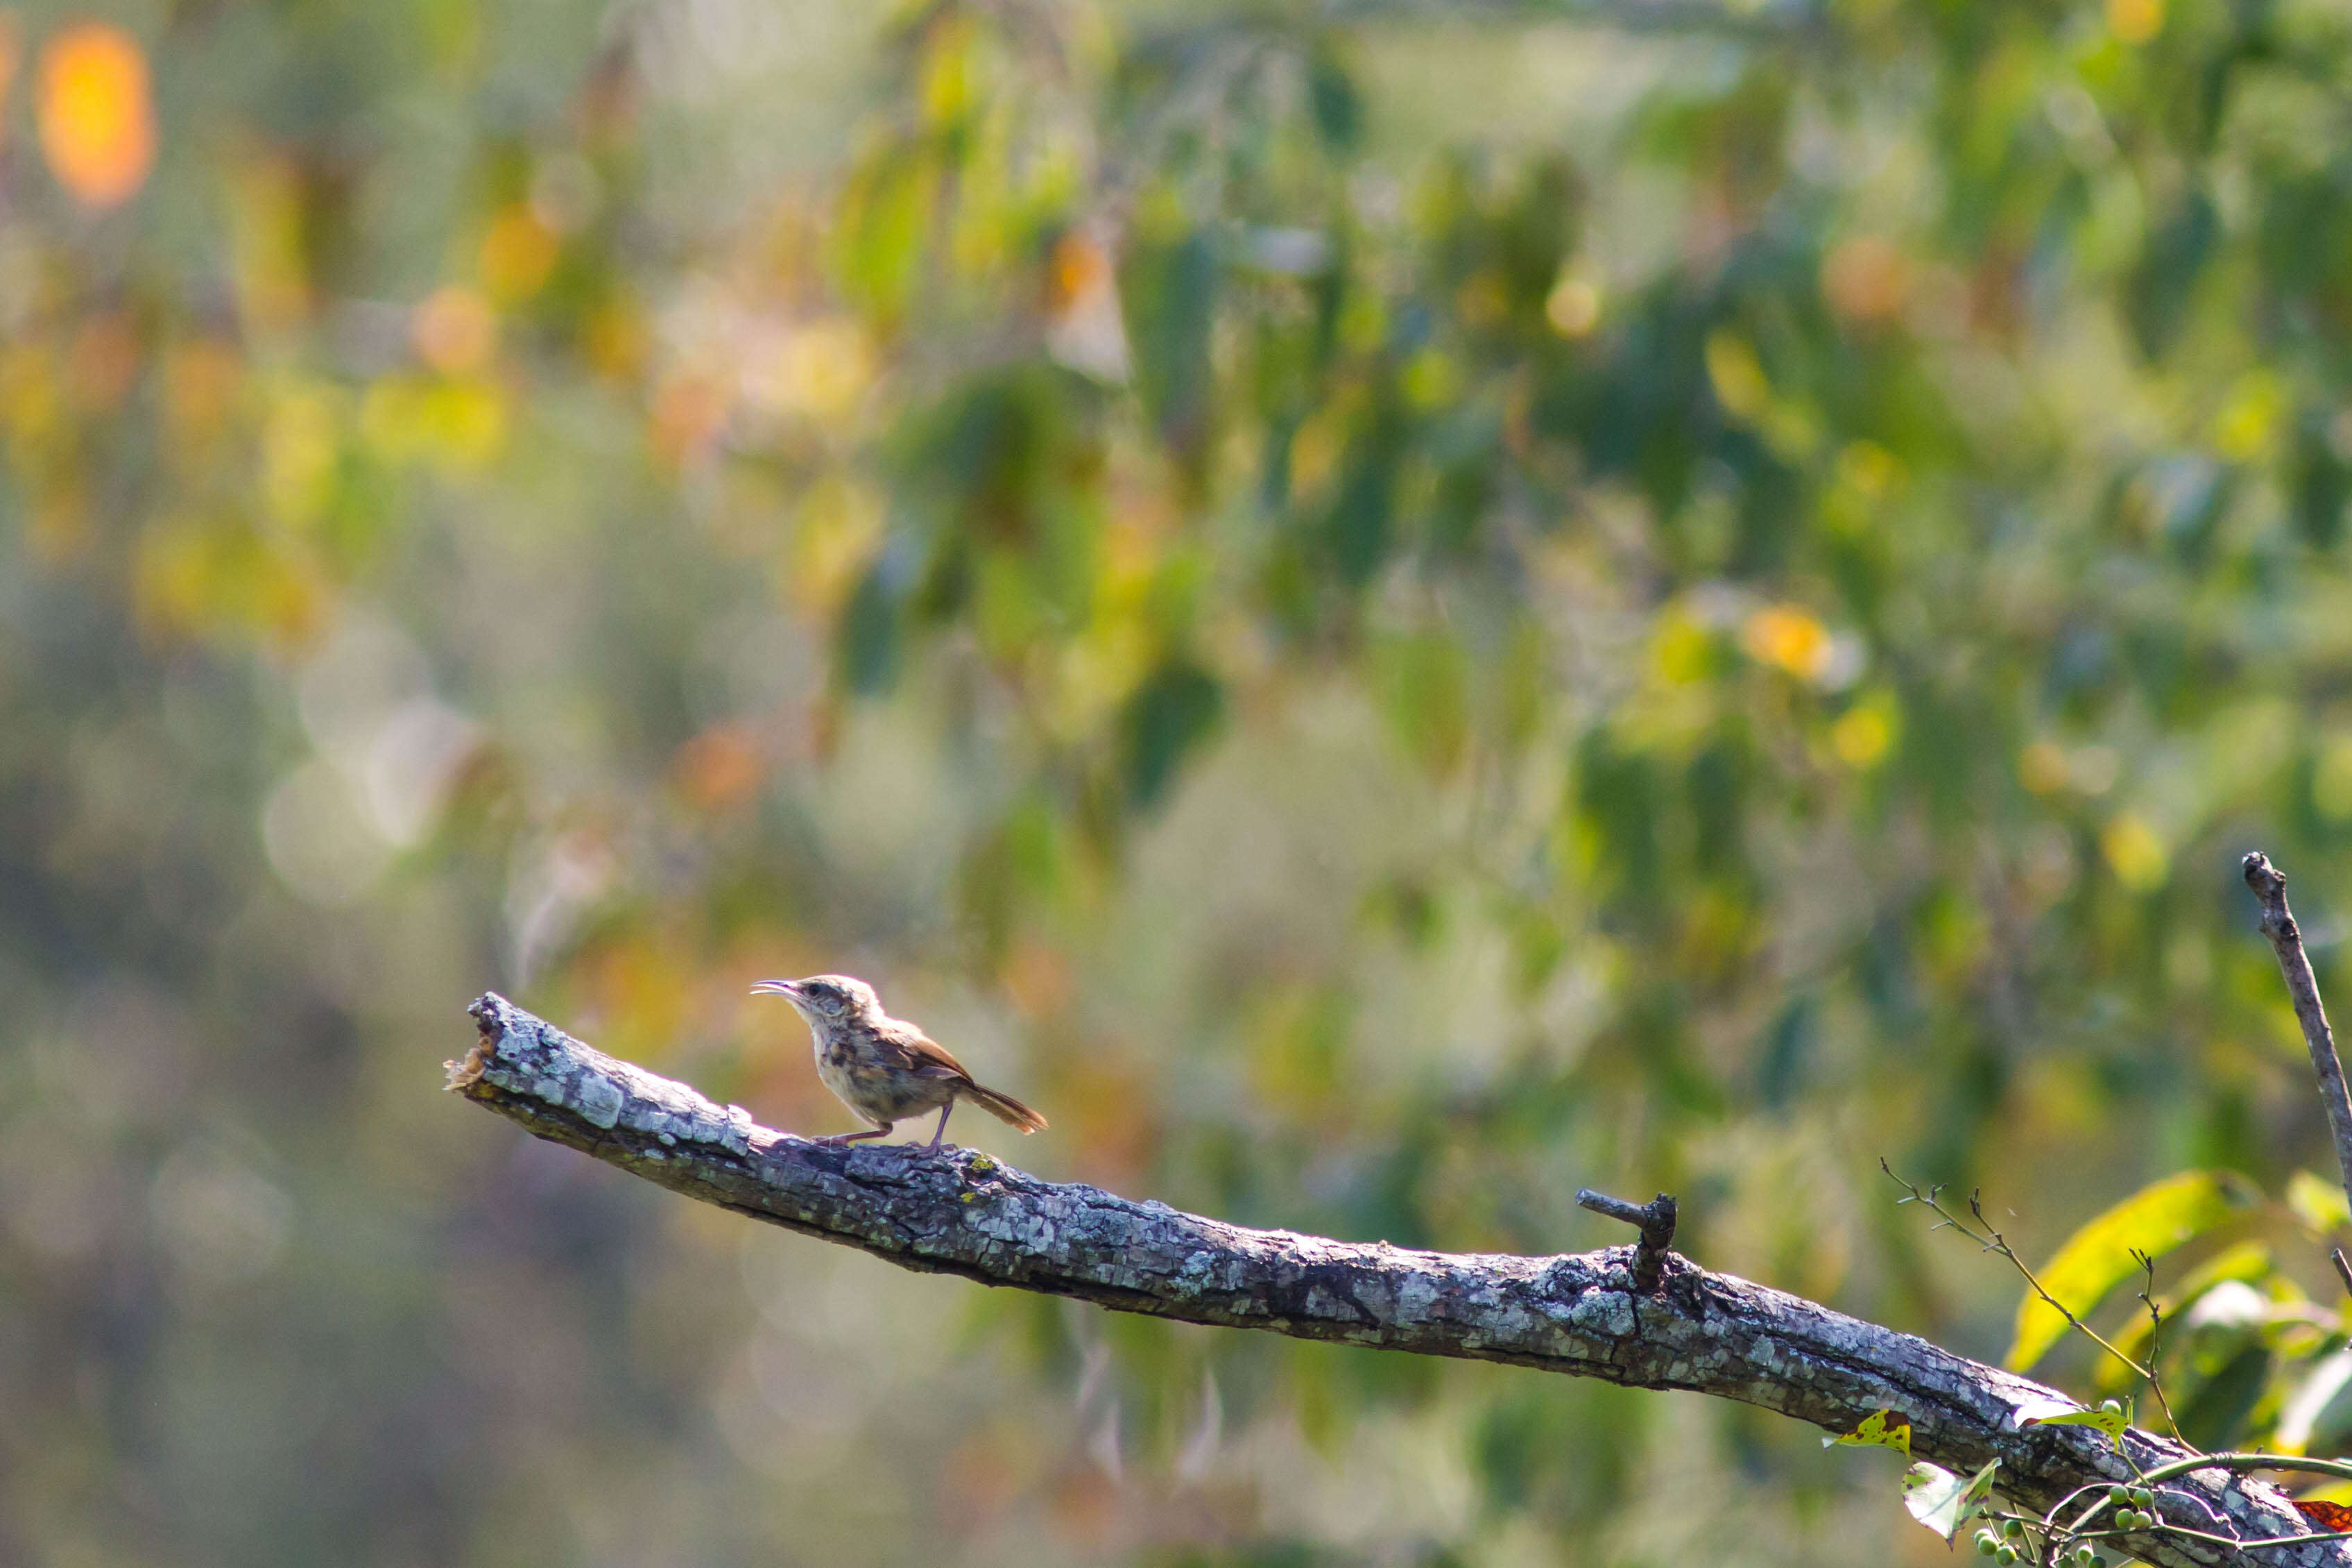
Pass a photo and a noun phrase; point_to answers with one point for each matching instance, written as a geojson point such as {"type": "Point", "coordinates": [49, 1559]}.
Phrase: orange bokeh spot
{"type": "Point", "coordinates": [97, 113]}
{"type": "Point", "coordinates": [1784, 635]}
{"type": "Point", "coordinates": [1079, 269]}
{"type": "Point", "coordinates": [1866, 280]}
{"type": "Point", "coordinates": [721, 767]}
{"type": "Point", "coordinates": [455, 330]}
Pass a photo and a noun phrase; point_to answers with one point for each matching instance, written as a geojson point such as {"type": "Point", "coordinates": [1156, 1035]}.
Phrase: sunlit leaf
{"type": "Point", "coordinates": [2098, 1256]}
{"type": "Point", "coordinates": [1880, 1429]}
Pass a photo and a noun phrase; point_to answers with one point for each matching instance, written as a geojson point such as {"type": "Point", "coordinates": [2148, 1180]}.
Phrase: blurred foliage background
{"type": "Point", "coordinates": [1387, 609]}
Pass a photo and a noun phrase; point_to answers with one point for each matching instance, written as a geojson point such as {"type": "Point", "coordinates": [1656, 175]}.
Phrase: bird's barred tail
{"type": "Point", "coordinates": [1005, 1108]}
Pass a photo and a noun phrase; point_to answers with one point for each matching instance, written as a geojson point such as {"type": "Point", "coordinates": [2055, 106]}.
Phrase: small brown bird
{"type": "Point", "coordinates": [883, 1068]}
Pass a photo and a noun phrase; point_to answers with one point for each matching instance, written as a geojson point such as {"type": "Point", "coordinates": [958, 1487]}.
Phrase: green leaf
{"type": "Point", "coordinates": [868, 635]}
{"type": "Point", "coordinates": [2098, 1256]}
{"type": "Point", "coordinates": [2318, 1205]}
{"type": "Point", "coordinates": [1172, 712]}
{"type": "Point", "coordinates": [1941, 1500]}
{"type": "Point", "coordinates": [1881, 1429]}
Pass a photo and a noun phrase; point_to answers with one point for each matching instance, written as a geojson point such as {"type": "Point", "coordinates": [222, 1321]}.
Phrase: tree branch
{"type": "Point", "coordinates": [961, 1212]}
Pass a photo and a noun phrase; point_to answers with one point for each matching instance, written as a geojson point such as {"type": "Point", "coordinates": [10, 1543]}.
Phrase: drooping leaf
{"type": "Point", "coordinates": [1880, 1429]}
{"type": "Point", "coordinates": [2097, 1258]}
{"type": "Point", "coordinates": [1942, 1500]}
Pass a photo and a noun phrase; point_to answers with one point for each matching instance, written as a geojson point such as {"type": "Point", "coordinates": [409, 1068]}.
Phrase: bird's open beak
{"type": "Point", "coordinates": [784, 989]}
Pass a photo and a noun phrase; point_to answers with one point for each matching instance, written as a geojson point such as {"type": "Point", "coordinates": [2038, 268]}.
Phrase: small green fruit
{"type": "Point", "coordinates": [2005, 1556]}
{"type": "Point", "coordinates": [2111, 1406]}
{"type": "Point", "coordinates": [1987, 1543]}
{"type": "Point", "coordinates": [2013, 1528]}
{"type": "Point", "coordinates": [2142, 1497]}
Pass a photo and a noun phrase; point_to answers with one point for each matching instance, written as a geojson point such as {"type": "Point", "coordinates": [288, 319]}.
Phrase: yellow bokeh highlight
{"type": "Point", "coordinates": [192, 577]}
{"type": "Point", "coordinates": [96, 113]}
{"type": "Point", "coordinates": [517, 252]}
{"type": "Point", "coordinates": [615, 340]}
{"type": "Point", "coordinates": [1681, 650]}
{"type": "Point", "coordinates": [1431, 380]}
{"type": "Point", "coordinates": [1869, 469]}
{"type": "Point", "coordinates": [824, 369]}
{"type": "Point", "coordinates": [2135, 853]}
{"type": "Point", "coordinates": [835, 532]}
{"type": "Point", "coordinates": [457, 425]}
{"type": "Point", "coordinates": [1738, 377]}
{"type": "Point", "coordinates": [1787, 638]}
{"type": "Point", "coordinates": [2248, 422]}
{"type": "Point", "coordinates": [2041, 769]}
{"type": "Point", "coordinates": [1863, 735]}
{"type": "Point", "coordinates": [301, 448]}
{"type": "Point", "coordinates": [1573, 306]}
{"type": "Point", "coordinates": [2134, 21]}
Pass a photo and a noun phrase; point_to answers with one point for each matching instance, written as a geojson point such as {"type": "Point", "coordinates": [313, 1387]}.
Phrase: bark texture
{"type": "Point", "coordinates": [962, 1212]}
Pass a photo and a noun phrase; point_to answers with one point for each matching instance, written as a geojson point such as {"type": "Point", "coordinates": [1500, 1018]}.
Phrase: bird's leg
{"type": "Point", "coordinates": [838, 1139]}
{"type": "Point", "coordinates": [941, 1130]}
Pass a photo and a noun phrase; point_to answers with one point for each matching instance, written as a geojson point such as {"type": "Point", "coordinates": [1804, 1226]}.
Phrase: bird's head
{"type": "Point", "coordinates": [827, 998]}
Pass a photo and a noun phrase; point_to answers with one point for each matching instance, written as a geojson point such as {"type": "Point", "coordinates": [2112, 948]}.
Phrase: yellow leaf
{"type": "Point", "coordinates": [2097, 1258]}
{"type": "Point", "coordinates": [1881, 1429]}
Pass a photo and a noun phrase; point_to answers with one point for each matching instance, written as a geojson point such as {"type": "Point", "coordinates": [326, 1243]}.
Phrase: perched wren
{"type": "Point", "coordinates": [884, 1068]}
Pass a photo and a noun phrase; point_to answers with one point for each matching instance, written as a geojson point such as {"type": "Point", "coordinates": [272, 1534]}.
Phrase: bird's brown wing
{"type": "Point", "coordinates": [922, 1055]}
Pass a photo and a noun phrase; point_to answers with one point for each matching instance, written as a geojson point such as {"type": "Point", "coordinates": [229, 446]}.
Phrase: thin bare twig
{"type": "Point", "coordinates": [2156, 1340]}
{"type": "Point", "coordinates": [2268, 885]}
{"type": "Point", "coordinates": [1992, 1241]}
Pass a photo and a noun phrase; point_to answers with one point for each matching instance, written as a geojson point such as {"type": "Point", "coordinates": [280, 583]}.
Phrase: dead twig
{"type": "Point", "coordinates": [1656, 1220]}
{"type": "Point", "coordinates": [2268, 885]}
